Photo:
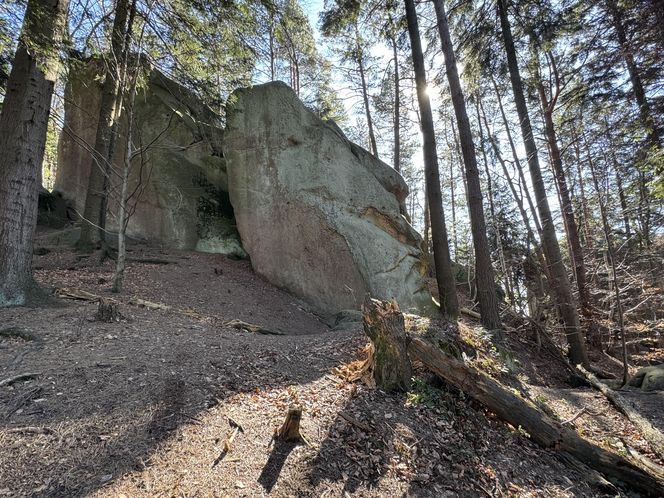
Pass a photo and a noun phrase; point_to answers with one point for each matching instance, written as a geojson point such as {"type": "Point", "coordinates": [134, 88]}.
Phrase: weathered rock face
{"type": "Point", "coordinates": [318, 215]}
{"type": "Point", "coordinates": [180, 181]}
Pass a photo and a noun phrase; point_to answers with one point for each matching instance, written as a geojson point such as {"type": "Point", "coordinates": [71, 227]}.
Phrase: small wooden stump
{"type": "Point", "coordinates": [384, 324]}
{"type": "Point", "coordinates": [108, 311]}
{"type": "Point", "coordinates": [290, 431]}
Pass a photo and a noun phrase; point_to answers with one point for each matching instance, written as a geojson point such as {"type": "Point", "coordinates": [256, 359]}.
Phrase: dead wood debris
{"type": "Point", "coordinates": [22, 400]}
{"type": "Point", "coordinates": [17, 332]}
{"type": "Point", "coordinates": [15, 378]}
{"type": "Point", "coordinates": [290, 430]}
{"type": "Point", "coordinates": [228, 443]}
{"type": "Point", "coordinates": [137, 301]}
{"type": "Point", "coordinates": [30, 430]}
{"type": "Point", "coordinates": [355, 422]}
{"type": "Point", "coordinates": [358, 370]}
{"type": "Point", "coordinates": [542, 429]}
{"type": "Point", "coordinates": [650, 433]}
{"type": "Point", "coordinates": [108, 311]}
{"type": "Point", "coordinates": [250, 327]}
{"type": "Point", "coordinates": [470, 313]}
{"type": "Point", "coordinates": [77, 294]}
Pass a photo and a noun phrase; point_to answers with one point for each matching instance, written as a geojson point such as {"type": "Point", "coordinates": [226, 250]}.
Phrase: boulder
{"type": "Point", "coordinates": [179, 181]}
{"type": "Point", "coordinates": [649, 378]}
{"type": "Point", "coordinates": [318, 215]}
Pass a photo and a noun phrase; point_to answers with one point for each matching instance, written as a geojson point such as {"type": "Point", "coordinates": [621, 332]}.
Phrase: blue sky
{"type": "Point", "coordinates": [313, 9]}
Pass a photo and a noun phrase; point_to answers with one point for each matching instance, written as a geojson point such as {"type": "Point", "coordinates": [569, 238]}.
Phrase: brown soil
{"type": "Point", "coordinates": [141, 407]}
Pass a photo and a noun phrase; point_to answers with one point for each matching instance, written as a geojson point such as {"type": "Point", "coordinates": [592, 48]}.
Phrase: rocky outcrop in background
{"type": "Point", "coordinates": [317, 214]}
{"type": "Point", "coordinates": [179, 181]}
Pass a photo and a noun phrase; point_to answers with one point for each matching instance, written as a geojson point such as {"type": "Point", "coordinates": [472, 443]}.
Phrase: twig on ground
{"type": "Point", "coordinates": [355, 422]}
{"type": "Point", "coordinates": [15, 378]}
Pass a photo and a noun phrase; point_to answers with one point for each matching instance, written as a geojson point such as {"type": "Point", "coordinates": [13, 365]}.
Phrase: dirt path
{"type": "Point", "coordinates": [141, 407]}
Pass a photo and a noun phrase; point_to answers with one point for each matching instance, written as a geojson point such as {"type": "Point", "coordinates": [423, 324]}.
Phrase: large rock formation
{"type": "Point", "coordinates": [317, 214]}
{"type": "Point", "coordinates": [180, 183]}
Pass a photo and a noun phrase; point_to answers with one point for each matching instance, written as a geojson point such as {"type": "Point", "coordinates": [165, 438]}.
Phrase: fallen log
{"type": "Point", "coordinates": [470, 313]}
{"type": "Point", "coordinates": [518, 412]}
{"type": "Point", "coordinates": [78, 294]}
{"type": "Point", "coordinates": [649, 432]}
{"type": "Point", "coordinates": [142, 303]}
{"type": "Point", "coordinates": [250, 327]}
{"type": "Point", "coordinates": [541, 429]}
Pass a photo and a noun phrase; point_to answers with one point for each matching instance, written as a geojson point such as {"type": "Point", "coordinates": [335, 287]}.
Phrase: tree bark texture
{"type": "Point", "coordinates": [559, 281]}
{"type": "Point", "coordinates": [23, 125]}
{"type": "Point", "coordinates": [484, 276]}
{"type": "Point", "coordinates": [441, 251]}
{"type": "Point", "coordinates": [384, 324]}
{"type": "Point", "coordinates": [92, 229]}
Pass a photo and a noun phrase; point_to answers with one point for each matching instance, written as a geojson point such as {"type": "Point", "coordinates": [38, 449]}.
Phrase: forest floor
{"type": "Point", "coordinates": [141, 407]}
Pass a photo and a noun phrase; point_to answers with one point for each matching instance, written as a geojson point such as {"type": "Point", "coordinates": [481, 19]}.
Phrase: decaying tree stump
{"type": "Point", "coordinates": [384, 324]}
{"type": "Point", "coordinates": [290, 431]}
{"type": "Point", "coordinates": [108, 311]}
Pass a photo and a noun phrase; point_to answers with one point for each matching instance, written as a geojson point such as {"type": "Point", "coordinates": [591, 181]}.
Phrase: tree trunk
{"type": "Point", "coordinates": [397, 106]}
{"type": "Point", "coordinates": [455, 239]}
{"type": "Point", "coordinates": [648, 122]}
{"type": "Point", "coordinates": [273, 66]}
{"type": "Point", "coordinates": [584, 201]}
{"type": "Point", "coordinates": [92, 227]}
{"type": "Point", "coordinates": [492, 210]}
{"type": "Point", "coordinates": [569, 220]}
{"type": "Point", "coordinates": [611, 256]}
{"type": "Point", "coordinates": [517, 199]}
{"type": "Point", "coordinates": [365, 94]}
{"type": "Point", "coordinates": [517, 162]}
{"type": "Point", "coordinates": [123, 215]}
{"type": "Point", "coordinates": [441, 251]}
{"type": "Point", "coordinates": [559, 280]}
{"type": "Point", "coordinates": [23, 126]}
{"type": "Point", "coordinates": [484, 277]}
{"type": "Point", "coordinates": [427, 226]}
{"type": "Point", "coordinates": [623, 199]}
{"type": "Point", "coordinates": [621, 192]}
{"type": "Point", "coordinates": [384, 325]}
